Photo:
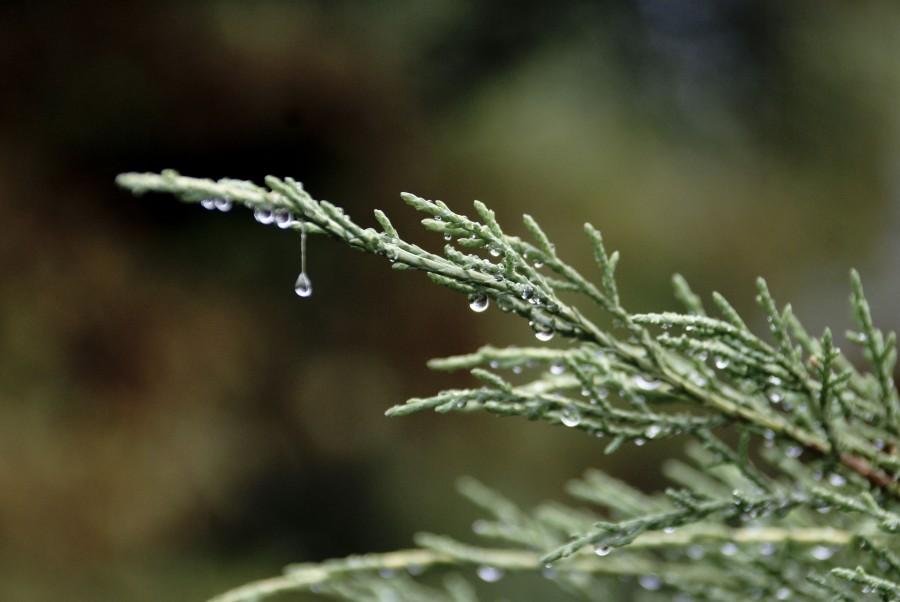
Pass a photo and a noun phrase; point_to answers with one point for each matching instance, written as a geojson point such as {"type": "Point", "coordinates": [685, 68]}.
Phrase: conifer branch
{"type": "Point", "coordinates": [828, 432]}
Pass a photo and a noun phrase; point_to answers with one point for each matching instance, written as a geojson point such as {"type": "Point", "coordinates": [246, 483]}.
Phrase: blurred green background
{"type": "Point", "coordinates": [174, 421]}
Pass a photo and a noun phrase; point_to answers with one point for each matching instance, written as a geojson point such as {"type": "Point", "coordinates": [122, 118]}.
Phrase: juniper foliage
{"type": "Point", "coordinates": [802, 503]}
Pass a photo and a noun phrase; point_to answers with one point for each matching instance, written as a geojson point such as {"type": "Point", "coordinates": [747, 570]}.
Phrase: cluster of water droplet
{"type": "Point", "coordinates": [280, 217]}
{"type": "Point", "coordinates": [223, 205]}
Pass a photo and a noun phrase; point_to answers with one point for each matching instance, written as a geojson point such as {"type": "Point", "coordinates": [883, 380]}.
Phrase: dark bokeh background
{"type": "Point", "coordinates": [175, 421]}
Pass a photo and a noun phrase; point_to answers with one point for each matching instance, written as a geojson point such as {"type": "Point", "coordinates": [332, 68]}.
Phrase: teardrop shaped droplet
{"type": "Point", "coordinates": [303, 286]}
{"type": "Point", "coordinates": [478, 302]}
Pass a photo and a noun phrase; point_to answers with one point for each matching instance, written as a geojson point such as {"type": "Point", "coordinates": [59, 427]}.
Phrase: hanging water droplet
{"type": "Point", "coordinates": [722, 362]}
{"type": "Point", "coordinates": [639, 442]}
{"type": "Point", "coordinates": [538, 264]}
{"type": "Point", "coordinates": [490, 574]}
{"type": "Point", "coordinates": [602, 550]}
{"type": "Point", "coordinates": [542, 333]}
{"type": "Point", "coordinates": [447, 237]}
{"type": "Point", "coordinates": [208, 203]}
{"type": "Point", "coordinates": [284, 219]}
{"type": "Point", "coordinates": [570, 416]}
{"type": "Point", "coordinates": [775, 395]}
{"type": "Point", "coordinates": [645, 384]}
{"type": "Point", "coordinates": [557, 367]}
{"type": "Point", "coordinates": [264, 215]}
{"type": "Point", "coordinates": [478, 302]}
{"type": "Point", "coordinates": [495, 252]}
{"type": "Point", "coordinates": [653, 431]}
{"type": "Point", "coordinates": [303, 286]}
{"type": "Point", "coordinates": [222, 204]}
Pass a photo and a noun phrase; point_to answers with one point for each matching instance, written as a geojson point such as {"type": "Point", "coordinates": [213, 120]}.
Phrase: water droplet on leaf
{"type": "Point", "coordinates": [645, 384]}
{"type": "Point", "coordinates": [264, 215]}
{"type": "Point", "coordinates": [478, 302]}
{"type": "Point", "coordinates": [284, 219]}
{"type": "Point", "coordinates": [222, 205]}
{"type": "Point", "coordinates": [490, 574]}
{"type": "Point", "coordinates": [729, 549]}
{"type": "Point", "coordinates": [821, 552]}
{"type": "Point", "coordinates": [650, 582]}
{"type": "Point", "coordinates": [543, 335]}
{"type": "Point", "coordinates": [208, 203]}
{"type": "Point", "coordinates": [602, 550]}
{"type": "Point", "coordinates": [570, 416]}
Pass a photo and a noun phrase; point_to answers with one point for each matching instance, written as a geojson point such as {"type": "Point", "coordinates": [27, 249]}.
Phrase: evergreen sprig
{"type": "Point", "coordinates": [792, 491]}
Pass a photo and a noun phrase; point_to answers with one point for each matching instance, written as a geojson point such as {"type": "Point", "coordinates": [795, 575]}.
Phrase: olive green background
{"type": "Point", "coordinates": [174, 421]}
